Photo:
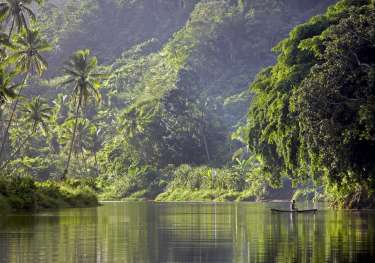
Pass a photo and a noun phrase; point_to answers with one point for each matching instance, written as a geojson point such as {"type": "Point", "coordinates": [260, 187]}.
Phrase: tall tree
{"type": "Point", "coordinates": [81, 72]}
{"type": "Point", "coordinates": [36, 113]}
{"type": "Point", "coordinates": [336, 108]}
{"type": "Point", "coordinates": [16, 13]}
{"type": "Point", "coordinates": [27, 47]}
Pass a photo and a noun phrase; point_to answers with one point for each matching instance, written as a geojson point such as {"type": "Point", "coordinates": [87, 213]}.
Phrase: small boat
{"type": "Point", "coordinates": [294, 211]}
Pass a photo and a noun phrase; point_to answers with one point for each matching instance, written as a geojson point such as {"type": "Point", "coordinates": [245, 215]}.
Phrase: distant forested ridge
{"type": "Point", "coordinates": [312, 117]}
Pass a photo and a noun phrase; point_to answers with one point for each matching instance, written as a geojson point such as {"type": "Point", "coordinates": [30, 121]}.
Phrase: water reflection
{"type": "Point", "coordinates": [151, 232]}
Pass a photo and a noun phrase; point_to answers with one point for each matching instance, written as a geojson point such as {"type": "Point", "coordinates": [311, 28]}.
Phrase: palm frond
{"type": "Point", "coordinates": [66, 82]}
{"type": "Point", "coordinates": [4, 11]}
{"type": "Point", "coordinates": [29, 12]}
{"type": "Point", "coordinates": [71, 71]}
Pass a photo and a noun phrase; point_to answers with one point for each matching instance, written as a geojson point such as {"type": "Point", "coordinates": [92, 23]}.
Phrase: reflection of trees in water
{"type": "Point", "coordinates": [239, 233]}
{"type": "Point", "coordinates": [127, 233]}
{"type": "Point", "coordinates": [56, 236]}
{"type": "Point", "coordinates": [153, 233]}
{"type": "Point", "coordinates": [325, 237]}
{"type": "Point", "coordinates": [195, 233]}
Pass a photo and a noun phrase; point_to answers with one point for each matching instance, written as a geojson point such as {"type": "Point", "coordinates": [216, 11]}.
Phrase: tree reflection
{"type": "Point", "coordinates": [175, 232]}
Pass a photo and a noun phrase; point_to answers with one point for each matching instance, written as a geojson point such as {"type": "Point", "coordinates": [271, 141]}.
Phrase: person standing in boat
{"type": "Point", "coordinates": [293, 206]}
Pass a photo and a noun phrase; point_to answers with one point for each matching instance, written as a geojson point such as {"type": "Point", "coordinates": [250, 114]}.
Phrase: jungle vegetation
{"type": "Point", "coordinates": [312, 117]}
{"type": "Point", "coordinates": [150, 99]}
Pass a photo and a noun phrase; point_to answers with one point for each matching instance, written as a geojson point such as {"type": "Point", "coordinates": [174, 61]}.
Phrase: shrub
{"type": "Point", "coordinates": [26, 194]}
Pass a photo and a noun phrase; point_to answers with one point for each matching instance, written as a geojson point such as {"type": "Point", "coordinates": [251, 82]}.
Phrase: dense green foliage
{"type": "Point", "coordinates": [205, 183]}
{"type": "Point", "coordinates": [24, 193]}
{"type": "Point", "coordinates": [179, 105]}
{"type": "Point", "coordinates": [313, 117]}
{"type": "Point", "coordinates": [187, 183]}
{"type": "Point", "coordinates": [184, 100]}
{"type": "Point", "coordinates": [22, 62]}
{"type": "Point", "coordinates": [170, 110]}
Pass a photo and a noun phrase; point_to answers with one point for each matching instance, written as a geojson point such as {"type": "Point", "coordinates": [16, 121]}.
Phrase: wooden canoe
{"type": "Point", "coordinates": [294, 211]}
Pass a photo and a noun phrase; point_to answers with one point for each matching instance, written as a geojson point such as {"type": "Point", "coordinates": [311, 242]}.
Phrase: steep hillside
{"type": "Point", "coordinates": [208, 64]}
{"type": "Point", "coordinates": [179, 72]}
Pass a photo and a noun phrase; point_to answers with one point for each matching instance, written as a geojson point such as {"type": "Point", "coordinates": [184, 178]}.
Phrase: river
{"type": "Point", "coordinates": [139, 232]}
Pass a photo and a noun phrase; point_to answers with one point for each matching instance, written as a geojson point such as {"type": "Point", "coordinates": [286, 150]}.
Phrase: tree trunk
{"type": "Point", "coordinates": [12, 116]}
{"type": "Point", "coordinates": [84, 162]}
{"type": "Point", "coordinates": [73, 137]}
{"type": "Point", "coordinates": [205, 138]}
{"type": "Point", "coordinates": [96, 164]}
{"type": "Point", "coordinates": [11, 30]}
{"type": "Point", "coordinates": [206, 146]}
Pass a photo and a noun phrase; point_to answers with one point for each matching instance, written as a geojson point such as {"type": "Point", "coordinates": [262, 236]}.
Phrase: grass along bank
{"type": "Point", "coordinates": [24, 193]}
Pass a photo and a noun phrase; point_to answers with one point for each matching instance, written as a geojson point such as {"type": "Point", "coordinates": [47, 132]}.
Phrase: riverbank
{"type": "Point", "coordinates": [23, 193]}
{"type": "Point", "coordinates": [204, 195]}
{"type": "Point", "coordinates": [217, 195]}
{"type": "Point", "coordinates": [190, 183]}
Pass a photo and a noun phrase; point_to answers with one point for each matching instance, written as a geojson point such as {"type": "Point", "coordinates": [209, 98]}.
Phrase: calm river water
{"type": "Point", "coordinates": [187, 232]}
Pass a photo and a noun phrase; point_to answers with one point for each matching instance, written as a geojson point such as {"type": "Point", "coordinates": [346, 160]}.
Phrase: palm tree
{"type": "Point", "coordinates": [90, 137]}
{"type": "Point", "coordinates": [16, 13]}
{"type": "Point", "coordinates": [85, 136]}
{"type": "Point", "coordinates": [66, 132]}
{"type": "Point", "coordinates": [27, 59]}
{"type": "Point", "coordinates": [81, 71]}
{"type": "Point", "coordinates": [37, 113]}
{"type": "Point", "coordinates": [27, 47]}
